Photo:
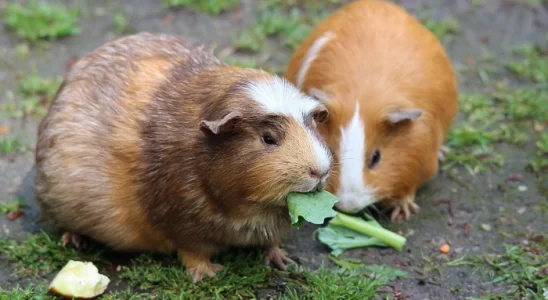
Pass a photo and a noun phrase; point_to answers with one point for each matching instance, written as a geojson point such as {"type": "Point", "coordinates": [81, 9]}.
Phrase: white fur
{"type": "Point", "coordinates": [311, 55]}
{"type": "Point", "coordinates": [278, 96]}
{"type": "Point", "coordinates": [353, 193]}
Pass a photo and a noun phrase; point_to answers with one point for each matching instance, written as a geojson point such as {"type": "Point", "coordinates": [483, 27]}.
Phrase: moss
{"type": "Point", "coordinates": [35, 20]}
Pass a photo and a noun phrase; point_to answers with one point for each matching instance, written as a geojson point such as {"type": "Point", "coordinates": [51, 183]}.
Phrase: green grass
{"type": "Point", "coordinates": [540, 161]}
{"type": "Point", "coordinates": [121, 22]}
{"type": "Point", "coordinates": [290, 26]}
{"type": "Point", "coordinates": [243, 274]}
{"type": "Point", "coordinates": [11, 206]}
{"type": "Point", "coordinates": [503, 116]}
{"type": "Point", "coordinates": [533, 4]}
{"type": "Point", "coordinates": [36, 93]}
{"type": "Point", "coordinates": [211, 7]}
{"type": "Point", "coordinates": [441, 29]}
{"type": "Point", "coordinates": [289, 22]}
{"type": "Point", "coordinates": [11, 145]}
{"type": "Point", "coordinates": [349, 281]}
{"type": "Point", "coordinates": [42, 254]}
{"type": "Point", "coordinates": [519, 269]}
{"type": "Point", "coordinates": [164, 276]}
{"type": "Point", "coordinates": [36, 20]}
{"type": "Point", "coordinates": [30, 292]}
{"type": "Point", "coordinates": [534, 63]}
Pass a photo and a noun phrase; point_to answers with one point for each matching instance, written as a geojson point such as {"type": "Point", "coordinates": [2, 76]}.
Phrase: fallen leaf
{"type": "Point", "coordinates": [515, 177]}
{"type": "Point", "coordinates": [44, 100]}
{"type": "Point", "coordinates": [14, 215]}
{"type": "Point", "coordinates": [450, 208]}
{"type": "Point", "coordinates": [469, 60]}
{"type": "Point", "coordinates": [4, 129]}
{"type": "Point", "coordinates": [467, 229]}
{"type": "Point", "coordinates": [169, 18]}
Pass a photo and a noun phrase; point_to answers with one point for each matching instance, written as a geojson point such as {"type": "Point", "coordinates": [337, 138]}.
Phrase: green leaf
{"type": "Point", "coordinates": [313, 207]}
{"type": "Point", "coordinates": [339, 239]}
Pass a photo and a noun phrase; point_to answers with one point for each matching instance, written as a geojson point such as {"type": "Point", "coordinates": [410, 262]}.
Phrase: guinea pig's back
{"type": "Point", "coordinates": [88, 144]}
{"type": "Point", "coordinates": [373, 45]}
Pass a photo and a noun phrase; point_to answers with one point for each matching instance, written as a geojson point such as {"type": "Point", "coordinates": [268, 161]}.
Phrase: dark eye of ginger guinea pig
{"type": "Point", "coordinates": [154, 145]}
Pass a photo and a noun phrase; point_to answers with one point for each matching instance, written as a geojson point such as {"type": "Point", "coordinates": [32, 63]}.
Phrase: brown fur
{"type": "Point", "coordinates": [383, 58]}
{"type": "Point", "coordinates": [123, 155]}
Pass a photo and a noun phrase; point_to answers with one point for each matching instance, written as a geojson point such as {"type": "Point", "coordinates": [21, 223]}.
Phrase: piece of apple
{"type": "Point", "coordinates": [79, 280]}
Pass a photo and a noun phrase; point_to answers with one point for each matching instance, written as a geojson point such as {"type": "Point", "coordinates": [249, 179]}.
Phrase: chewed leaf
{"type": "Point", "coordinates": [313, 207]}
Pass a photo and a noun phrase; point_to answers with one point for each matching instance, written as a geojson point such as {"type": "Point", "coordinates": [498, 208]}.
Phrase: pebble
{"type": "Point", "coordinates": [522, 188]}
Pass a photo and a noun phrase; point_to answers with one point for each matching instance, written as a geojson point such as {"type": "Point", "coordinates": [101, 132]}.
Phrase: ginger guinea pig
{"type": "Point", "coordinates": [152, 144]}
{"type": "Point", "coordinates": [392, 96]}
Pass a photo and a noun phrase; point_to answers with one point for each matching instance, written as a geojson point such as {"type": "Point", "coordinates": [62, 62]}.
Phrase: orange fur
{"type": "Point", "coordinates": [383, 58]}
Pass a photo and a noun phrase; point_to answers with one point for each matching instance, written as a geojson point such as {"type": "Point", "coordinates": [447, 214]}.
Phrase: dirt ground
{"type": "Point", "coordinates": [477, 214]}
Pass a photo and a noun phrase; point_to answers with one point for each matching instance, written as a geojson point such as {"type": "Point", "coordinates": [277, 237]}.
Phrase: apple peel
{"type": "Point", "coordinates": [79, 280]}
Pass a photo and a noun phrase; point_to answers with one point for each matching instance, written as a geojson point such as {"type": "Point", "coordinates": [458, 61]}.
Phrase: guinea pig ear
{"type": "Point", "coordinates": [219, 126]}
{"type": "Point", "coordinates": [320, 114]}
{"type": "Point", "coordinates": [403, 114]}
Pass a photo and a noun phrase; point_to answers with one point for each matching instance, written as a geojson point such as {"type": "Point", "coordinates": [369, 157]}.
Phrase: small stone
{"type": "Point", "coordinates": [521, 210]}
{"type": "Point", "coordinates": [522, 188]}
{"type": "Point", "coordinates": [100, 11]}
{"type": "Point", "coordinates": [515, 177]}
{"type": "Point", "coordinates": [486, 227]}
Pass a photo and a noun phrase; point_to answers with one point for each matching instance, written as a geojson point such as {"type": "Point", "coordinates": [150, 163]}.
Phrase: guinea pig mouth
{"type": "Point", "coordinates": [307, 188]}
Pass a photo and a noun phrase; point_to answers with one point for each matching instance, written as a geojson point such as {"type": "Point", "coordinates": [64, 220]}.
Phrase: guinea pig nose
{"type": "Point", "coordinates": [314, 173]}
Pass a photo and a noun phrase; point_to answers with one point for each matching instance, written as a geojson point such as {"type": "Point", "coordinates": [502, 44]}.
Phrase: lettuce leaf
{"type": "Point", "coordinates": [313, 207]}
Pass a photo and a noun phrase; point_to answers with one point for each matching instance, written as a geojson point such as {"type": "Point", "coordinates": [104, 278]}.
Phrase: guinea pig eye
{"type": "Point", "coordinates": [375, 159]}
{"type": "Point", "coordinates": [269, 140]}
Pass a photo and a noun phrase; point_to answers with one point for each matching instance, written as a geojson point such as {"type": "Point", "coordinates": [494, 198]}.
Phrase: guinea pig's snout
{"type": "Point", "coordinates": [353, 201]}
{"type": "Point", "coordinates": [320, 177]}
{"type": "Point", "coordinates": [317, 174]}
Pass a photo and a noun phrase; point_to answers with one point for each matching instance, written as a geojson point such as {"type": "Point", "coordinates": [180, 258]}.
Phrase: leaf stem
{"type": "Point", "coordinates": [387, 237]}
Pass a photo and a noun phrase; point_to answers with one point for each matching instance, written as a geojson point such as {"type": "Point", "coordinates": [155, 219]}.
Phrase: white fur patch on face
{"type": "Point", "coordinates": [311, 55]}
{"type": "Point", "coordinates": [353, 193]}
{"type": "Point", "coordinates": [278, 96]}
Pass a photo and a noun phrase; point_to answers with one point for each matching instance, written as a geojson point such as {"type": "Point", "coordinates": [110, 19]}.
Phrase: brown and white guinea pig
{"type": "Point", "coordinates": [152, 144]}
{"type": "Point", "coordinates": [391, 94]}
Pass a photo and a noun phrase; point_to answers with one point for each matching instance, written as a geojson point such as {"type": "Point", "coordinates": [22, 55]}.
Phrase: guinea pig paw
{"type": "Point", "coordinates": [278, 258]}
{"type": "Point", "coordinates": [404, 209]}
{"type": "Point", "coordinates": [202, 270]}
{"type": "Point", "coordinates": [69, 237]}
{"type": "Point", "coordinates": [443, 151]}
